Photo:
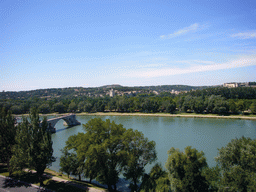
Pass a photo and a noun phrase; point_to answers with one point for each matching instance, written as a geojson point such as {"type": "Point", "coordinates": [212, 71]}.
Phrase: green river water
{"type": "Point", "coordinates": [204, 134]}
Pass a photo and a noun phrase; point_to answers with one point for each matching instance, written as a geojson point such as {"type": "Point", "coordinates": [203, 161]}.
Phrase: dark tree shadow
{"type": "Point", "coordinates": [65, 187]}
{"type": "Point", "coordinates": [13, 183]}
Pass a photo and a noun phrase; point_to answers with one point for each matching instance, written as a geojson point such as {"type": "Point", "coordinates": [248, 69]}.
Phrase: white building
{"type": "Point", "coordinates": [111, 93]}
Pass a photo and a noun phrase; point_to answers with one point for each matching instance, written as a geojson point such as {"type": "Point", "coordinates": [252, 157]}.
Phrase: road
{"type": "Point", "coordinates": [10, 185]}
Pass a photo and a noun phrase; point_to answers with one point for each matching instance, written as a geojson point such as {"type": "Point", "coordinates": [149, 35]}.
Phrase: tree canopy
{"type": "Point", "coordinates": [238, 165]}
{"type": "Point", "coordinates": [108, 149]}
{"type": "Point", "coordinates": [185, 170]}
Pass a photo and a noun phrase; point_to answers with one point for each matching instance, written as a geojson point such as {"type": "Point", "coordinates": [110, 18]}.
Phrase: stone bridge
{"type": "Point", "coordinates": [69, 119]}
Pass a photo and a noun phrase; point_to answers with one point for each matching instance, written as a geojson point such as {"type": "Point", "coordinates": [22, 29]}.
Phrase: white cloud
{"type": "Point", "coordinates": [245, 35]}
{"type": "Point", "coordinates": [183, 31]}
{"type": "Point", "coordinates": [194, 66]}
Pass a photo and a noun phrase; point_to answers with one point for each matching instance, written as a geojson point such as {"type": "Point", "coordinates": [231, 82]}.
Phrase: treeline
{"type": "Point", "coordinates": [211, 100]}
{"type": "Point", "coordinates": [108, 150]}
{"type": "Point", "coordinates": [93, 91]}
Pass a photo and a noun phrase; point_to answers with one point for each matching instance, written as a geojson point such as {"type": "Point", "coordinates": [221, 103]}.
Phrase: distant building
{"type": "Point", "coordinates": [231, 85]}
{"type": "Point", "coordinates": [111, 93]}
{"type": "Point", "coordinates": [175, 92]}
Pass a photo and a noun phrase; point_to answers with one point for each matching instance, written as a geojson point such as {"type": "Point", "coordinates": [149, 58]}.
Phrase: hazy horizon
{"type": "Point", "coordinates": [120, 85]}
{"type": "Point", "coordinates": [60, 44]}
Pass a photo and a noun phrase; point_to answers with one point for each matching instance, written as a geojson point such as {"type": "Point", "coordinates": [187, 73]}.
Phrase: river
{"type": "Point", "coordinates": [204, 134]}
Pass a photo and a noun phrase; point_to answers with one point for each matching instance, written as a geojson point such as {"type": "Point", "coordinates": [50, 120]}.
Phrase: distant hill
{"type": "Point", "coordinates": [95, 91]}
{"type": "Point", "coordinates": [111, 86]}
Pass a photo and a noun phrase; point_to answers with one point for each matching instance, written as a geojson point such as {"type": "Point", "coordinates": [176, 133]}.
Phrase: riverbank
{"type": "Point", "coordinates": [189, 115]}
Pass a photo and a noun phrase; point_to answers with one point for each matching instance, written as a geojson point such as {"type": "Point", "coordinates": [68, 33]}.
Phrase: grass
{"type": "Point", "coordinates": [4, 170]}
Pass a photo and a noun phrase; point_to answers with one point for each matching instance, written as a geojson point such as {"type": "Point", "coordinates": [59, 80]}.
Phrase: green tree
{"type": "Point", "coordinates": [241, 105]}
{"type": "Point", "coordinates": [238, 164]}
{"type": "Point", "coordinates": [150, 105]}
{"type": "Point", "coordinates": [112, 104]}
{"type": "Point", "coordinates": [253, 107]}
{"type": "Point", "coordinates": [67, 161]}
{"type": "Point", "coordinates": [34, 145]}
{"type": "Point", "coordinates": [105, 142]}
{"type": "Point", "coordinates": [107, 149]}
{"type": "Point", "coordinates": [80, 106]}
{"type": "Point", "coordinates": [101, 149]}
{"type": "Point", "coordinates": [59, 107]}
{"type": "Point", "coordinates": [168, 106]}
{"type": "Point", "coordinates": [140, 153]}
{"type": "Point", "coordinates": [16, 109]}
{"type": "Point", "coordinates": [21, 150]}
{"type": "Point", "coordinates": [72, 107]}
{"type": "Point", "coordinates": [70, 163]}
{"type": "Point", "coordinates": [91, 167]}
{"type": "Point", "coordinates": [88, 107]}
{"type": "Point", "coordinates": [7, 136]}
{"type": "Point", "coordinates": [44, 108]}
{"type": "Point", "coordinates": [185, 170]}
{"type": "Point", "coordinates": [123, 104]}
{"type": "Point", "coordinates": [212, 176]}
{"type": "Point", "coordinates": [199, 105]}
{"type": "Point", "coordinates": [156, 180]}
{"type": "Point", "coordinates": [232, 106]}
{"type": "Point", "coordinates": [188, 103]}
{"type": "Point", "coordinates": [41, 151]}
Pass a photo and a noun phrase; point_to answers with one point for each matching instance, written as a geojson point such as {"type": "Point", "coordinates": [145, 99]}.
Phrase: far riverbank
{"type": "Point", "coordinates": [251, 117]}
{"type": "Point", "coordinates": [189, 115]}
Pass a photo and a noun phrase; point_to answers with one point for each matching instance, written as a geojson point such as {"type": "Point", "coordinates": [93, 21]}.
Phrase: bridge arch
{"type": "Point", "coordinates": [70, 119]}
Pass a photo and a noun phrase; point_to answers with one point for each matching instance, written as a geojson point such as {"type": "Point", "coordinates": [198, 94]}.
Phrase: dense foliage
{"type": "Point", "coordinates": [238, 165]}
{"type": "Point", "coordinates": [185, 170]}
{"type": "Point", "coordinates": [33, 148]}
{"type": "Point", "coordinates": [106, 150]}
{"type": "Point", "coordinates": [7, 136]}
{"type": "Point", "coordinates": [216, 100]}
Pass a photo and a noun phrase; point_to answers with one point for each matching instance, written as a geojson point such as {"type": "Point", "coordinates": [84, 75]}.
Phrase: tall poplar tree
{"type": "Point", "coordinates": [41, 151]}
{"type": "Point", "coordinates": [7, 136]}
{"type": "Point", "coordinates": [34, 145]}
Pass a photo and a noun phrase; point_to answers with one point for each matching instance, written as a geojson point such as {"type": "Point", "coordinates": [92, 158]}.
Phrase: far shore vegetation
{"type": "Point", "coordinates": [158, 100]}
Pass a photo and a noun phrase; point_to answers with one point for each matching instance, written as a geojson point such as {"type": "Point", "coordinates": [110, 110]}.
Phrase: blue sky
{"type": "Point", "coordinates": [90, 43]}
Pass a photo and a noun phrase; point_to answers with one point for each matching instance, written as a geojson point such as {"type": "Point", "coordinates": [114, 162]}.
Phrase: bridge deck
{"type": "Point", "coordinates": [60, 117]}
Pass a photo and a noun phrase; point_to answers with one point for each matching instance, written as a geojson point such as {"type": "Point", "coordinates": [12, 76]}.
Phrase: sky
{"type": "Point", "coordinates": [91, 43]}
